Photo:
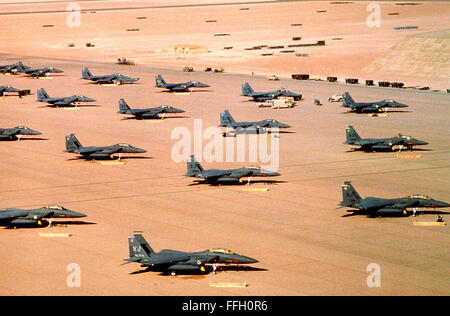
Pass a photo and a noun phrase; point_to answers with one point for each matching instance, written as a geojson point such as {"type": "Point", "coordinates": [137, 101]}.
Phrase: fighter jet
{"type": "Point", "coordinates": [149, 113]}
{"type": "Point", "coordinates": [107, 79]}
{"type": "Point", "coordinates": [178, 87]}
{"type": "Point", "coordinates": [14, 217]}
{"type": "Point", "coordinates": [220, 176]}
{"type": "Point", "coordinates": [74, 100]}
{"type": "Point", "coordinates": [15, 133]}
{"type": "Point", "coordinates": [381, 144]}
{"type": "Point", "coordinates": [258, 127]}
{"type": "Point", "coordinates": [99, 152]}
{"type": "Point", "coordinates": [173, 261]}
{"type": "Point", "coordinates": [369, 107]}
{"type": "Point", "coordinates": [247, 91]}
{"type": "Point", "coordinates": [13, 68]}
{"type": "Point", "coordinates": [20, 92]}
{"type": "Point", "coordinates": [373, 206]}
{"type": "Point", "coordinates": [38, 72]}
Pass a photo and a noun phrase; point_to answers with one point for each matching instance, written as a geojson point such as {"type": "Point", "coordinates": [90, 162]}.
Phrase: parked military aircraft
{"type": "Point", "coordinates": [99, 152]}
{"type": "Point", "coordinates": [15, 133]}
{"type": "Point", "coordinates": [219, 176]}
{"type": "Point", "coordinates": [107, 79]}
{"type": "Point", "coordinates": [173, 261]}
{"type": "Point", "coordinates": [381, 144]}
{"type": "Point", "coordinates": [74, 100]}
{"type": "Point", "coordinates": [149, 113]}
{"type": "Point", "coordinates": [12, 69]}
{"type": "Point", "coordinates": [369, 107]}
{"type": "Point", "coordinates": [178, 87]}
{"type": "Point", "coordinates": [373, 206]}
{"type": "Point", "coordinates": [14, 217]}
{"type": "Point", "coordinates": [258, 127]}
{"type": "Point", "coordinates": [20, 92]}
{"type": "Point", "coordinates": [37, 72]}
{"type": "Point", "coordinates": [247, 91]}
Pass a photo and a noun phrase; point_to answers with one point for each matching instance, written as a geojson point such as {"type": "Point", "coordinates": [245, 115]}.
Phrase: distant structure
{"type": "Point", "coordinates": [188, 49]}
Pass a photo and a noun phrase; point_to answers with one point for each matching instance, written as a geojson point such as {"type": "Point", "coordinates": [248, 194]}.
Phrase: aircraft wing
{"type": "Point", "coordinates": [106, 79]}
{"type": "Point", "coordinates": [39, 216]}
{"type": "Point", "coordinates": [63, 102]}
{"type": "Point", "coordinates": [8, 133]}
{"type": "Point", "coordinates": [166, 258]}
{"type": "Point", "coordinates": [10, 214]}
{"type": "Point", "coordinates": [238, 174]}
{"type": "Point", "coordinates": [181, 87]}
{"type": "Point", "coordinates": [106, 151]}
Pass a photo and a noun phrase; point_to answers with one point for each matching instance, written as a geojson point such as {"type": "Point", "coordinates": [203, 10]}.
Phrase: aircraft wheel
{"type": "Point", "coordinates": [173, 273]}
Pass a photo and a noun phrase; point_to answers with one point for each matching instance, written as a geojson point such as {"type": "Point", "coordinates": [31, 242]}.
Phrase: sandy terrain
{"type": "Point", "coordinates": [351, 44]}
{"type": "Point", "coordinates": [305, 246]}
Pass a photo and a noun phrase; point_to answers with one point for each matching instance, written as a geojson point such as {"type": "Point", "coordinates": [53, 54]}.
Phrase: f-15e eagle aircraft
{"type": "Point", "coordinates": [178, 87]}
{"type": "Point", "coordinates": [107, 79]}
{"type": "Point", "coordinates": [175, 261]}
{"type": "Point", "coordinates": [373, 206]}
{"type": "Point", "coordinates": [220, 176]}
{"type": "Point", "coordinates": [37, 72]}
{"type": "Point", "coordinates": [99, 152]}
{"type": "Point", "coordinates": [381, 144]}
{"type": "Point", "coordinates": [15, 133]}
{"type": "Point", "coordinates": [258, 127]}
{"type": "Point", "coordinates": [74, 100]}
{"type": "Point", "coordinates": [13, 68]}
{"type": "Point", "coordinates": [247, 91]}
{"type": "Point", "coordinates": [6, 89]}
{"type": "Point", "coordinates": [148, 113]}
{"type": "Point", "coordinates": [369, 107]}
{"type": "Point", "coordinates": [14, 217]}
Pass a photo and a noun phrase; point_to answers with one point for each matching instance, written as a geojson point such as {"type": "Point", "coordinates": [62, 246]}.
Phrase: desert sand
{"type": "Point", "coordinates": [305, 246]}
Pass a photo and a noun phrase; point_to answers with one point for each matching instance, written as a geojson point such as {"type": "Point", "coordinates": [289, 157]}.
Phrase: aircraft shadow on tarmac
{"type": "Point", "coordinates": [54, 224]}
{"type": "Point", "coordinates": [109, 159]}
{"type": "Point", "coordinates": [25, 138]}
{"type": "Point", "coordinates": [152, 119]}
{"type": "Point", "coordinates": [69, 106]}
{"type": "Point", "coordinates": [400, 215]}
{"type": "Point", "coordinates": [243, 183]}
{"type": "Point", "coordinates": [388, 151]}
{"type": "Point", "coordinates": [380, 113]}
{"type": "Point", "coordinates": [184, 92]}
{"type": "Point", "coordinates": [223, 268]}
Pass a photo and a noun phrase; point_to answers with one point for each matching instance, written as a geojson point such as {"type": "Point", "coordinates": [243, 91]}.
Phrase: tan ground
{"type": "Point", "coordinates": [351, 45]}
{"type": "Point", "coordinates": [304, 245]}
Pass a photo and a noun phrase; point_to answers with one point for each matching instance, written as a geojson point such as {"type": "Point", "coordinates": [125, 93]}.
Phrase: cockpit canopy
{"type": "Point", "coordinates": [221, 250]}
{"type": "Point", "coordinates": [404, 136]}
{"type": "Point", "coordinates": [418, 196]}
{"type": "Point", "coordinates": [54, 207]}
{"type": "Point", "coordinates": [253, 167]}
{"type": "Point", "coordinates": [124, 145]}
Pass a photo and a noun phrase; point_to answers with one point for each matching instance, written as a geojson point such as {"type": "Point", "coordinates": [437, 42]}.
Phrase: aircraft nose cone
{"type": "Point", "coordinates": [269, 173]}
{"type": "Point", "coordinates": [32, 132]}
{"type": "Point", "coordinates": [420, 142]}
{"type": "Point", "coordinates": [140, 150]}
{"type": "Point", "coordinates": [441, 204]}
{"type": "Point", "coordinates": [244, 259]}
{"type": "Point", "coordinates": [73, 214]}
